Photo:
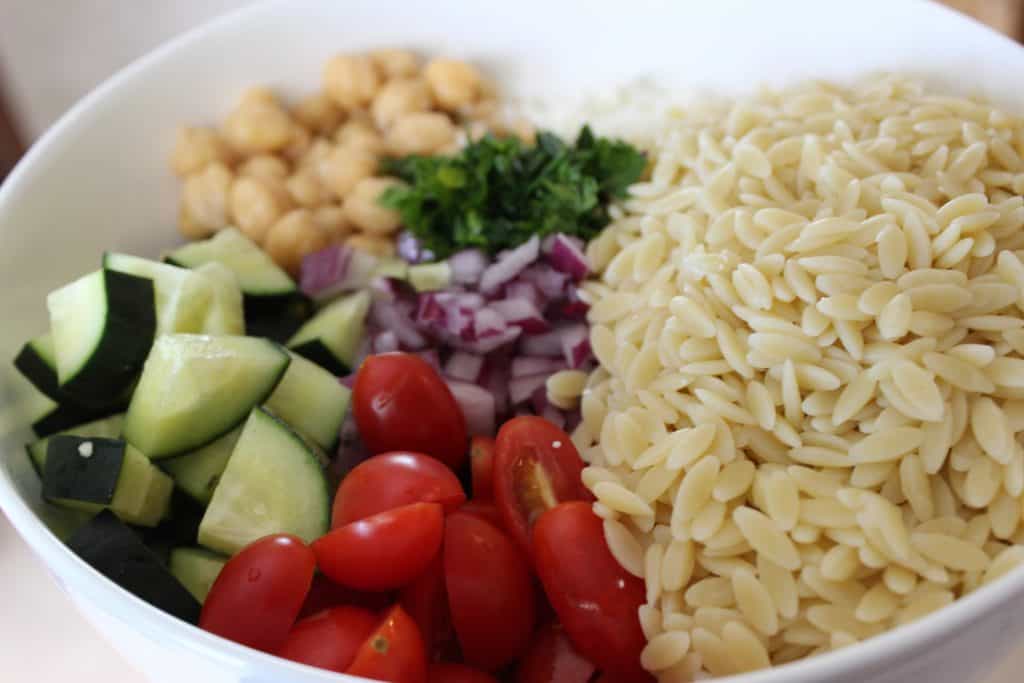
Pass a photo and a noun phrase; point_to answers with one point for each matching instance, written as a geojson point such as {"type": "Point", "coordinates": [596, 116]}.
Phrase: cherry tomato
{"type": "Point", "coordinates": [425, 599]}
{"type": "Point", "coordinates": [324, 594]}
{"type": "Point", "coordinates": [536, 467]}
{"type": "Point", "coordinates": [259, 593]}
{"type": "Point", "coordinates": [595, 599]}
{"type": "Point", "coordinates": [481, 460]}
{"type": "Point", "coordinates": [552, 659]}
{"type": "Point", "coordinates": [391, 480]}
{"type": "Point", "coordinates": [329, 639]}
{"type": "Point", "coordinates": [382, 552]}
{"type": "Point", "coordinates": [484, 510]}
{"type": "Point", "coordinates": [490, 591]}
{"type": "Point", "coordinates": [401, 403]}
{"type": "Point", "coordinates": [394, 651]}
{"type": "Point", "coordinates": [457, 673]}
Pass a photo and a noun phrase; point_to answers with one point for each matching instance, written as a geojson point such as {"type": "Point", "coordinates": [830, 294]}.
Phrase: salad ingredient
{"type": "Point", "coordinates": [258, 594]}
{"type": "Point", "coordinates": [552, 658]}
{"type": "Point", "coordinates": [384, 551]}
{"type": "Point", "coordinates": [294, 235]}
{"type": "Point", "coordinates": [273, 483]}
{"type": "Point", "coordinates": [311, 400]}
{"type": "Point", "coordinates": [490, 591]}
{"type": "Point", "coordinates": [102, 325]}
{"type": "Point", "coordinates": [198, 472]}
{"type": "Point", "coordinates": [391, 480]}
{"type": "Point", "coordinates": [338, 269]}
{"type": "Point", "coordinates": [37, 361]}
{"type": "Point", "coordinates": [481, 461]}
{"type": "Point", "coordinates": [363, 209]}
{"type": "Point", "coordinates": [110, 547]}
{"type": "Point", "coordinates": [485, 510]}
{"type": "Point", "coordinates": [430, 277]}
{"type": "Point", "coordinates": [400, 402]}
{"type": "Point", "coordinates": [48, 418]}
{"type": "Point", "coordinates": [329, 639]}
{"type": "Point", "coordinates": [108, 427]}
{"type": "Point", "coordinates": [331, 337]}
{"type": "Point", "coordinates": [226, 312]}
{"type": "Point", "coordinates": [195, 388]}
{"type": "Point", "coordinates": [536, 467]}
{"type": "Point", "coordinates": [497, 193]}
{"type": "Point", "coordinates": [597, 601]}
{"type": "Point", "coordinates": [477, 406]}
{"type": "Point", "coordinates": [425, 600]}
{"type": "Point", "coordinates": [457, 673]}
{"type": "Point", "coordinates": [324, 594]}
{"type": "Point", "coordinates": [393, 652]}
{"type": "Point", "coordinates": [196, 568]}
{"type": "Point", "coordinates": [453, 84]}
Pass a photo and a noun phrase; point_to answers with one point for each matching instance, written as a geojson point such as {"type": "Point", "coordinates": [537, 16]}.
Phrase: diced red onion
{"type": "Point", "coordinates": [520, 389]}
{"type": "Point", "coordinates": [467, 266]}
{"type": "Point", "coordinates": [525, 290]}
{"type": "Point", "coordinates": [489, 344]}
{"type": "Point", "coordinates": [397, 318]}
{"type": "Point", "coordinates": [390, 289]}
{"type": "Point", "coordinates": [488, 323]}
{"type": "Point", "coordinates": [567, 256]}
{"type": "Point", "coordinates": [478, 407]}
{"type": "Point", "coordinates": [548, 344]}
{"type": "Point", "coordinates": [432, 358]}
{"type": "Point", "coordinates": [551, 283]}
{"type": "Point", "coordinates": [554, 416]}
{"type": "Point", "coordinates": [509, 265]}
{"type": "Point", "coordinates": [521, 313]}
{"type": "Point", "coordinates": [410, 250]}
{"type": "Point", "coordinates": [523, 366]}
{"type": "Point", "coordinates": [337, 269]}
{"type": "Point", "coordinates": [572, 419]}
{"type": "Point", "coordinates": [429, 310]}
{"type": "Point", "coordinates": [351, 450]}
{"type": "Point", "coordinates": [539, 399]}
{"type": "Point", "coordinates": [575, 345]}
{"type": "Point", "coordinates": [494, 379]}
{"type": "Point", "coordinates": [385, 342]}
{"type": "Point", "coordinates": [464, 367]}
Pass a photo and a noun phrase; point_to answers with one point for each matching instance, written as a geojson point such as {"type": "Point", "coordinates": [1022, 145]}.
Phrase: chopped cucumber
{"type": "Point", "coordinates": [258, 275]}
{"type": "Point", "coordinates": [182, 296]}
{"type": "Point", "coordinates": [279, 322]}
{"type": "Point", "coordinates": [37, 361]}
{"type": "Point", "coordinates": [198, 472]}
{"type": "Point", "coordinates": [103, 325]}
{"type": "Point", "coordinates": [331, 338]}
{"type": "Point", "coordinates": [430, 277]}
{"type": "Point", "coordinates": [226, 314]}
{"type": "Point", "coordinates": [392, 267]}
{"type": "Point", "coordinates": [197, 569]}
{"type": "Point", "coordinates": [107, 427]}
{"type": "Point", "coordinates": [312, 401]}
{"type": "Point", "coordinates": [195, 388]}
{"type": "Point", "coordinates": [273, 483]}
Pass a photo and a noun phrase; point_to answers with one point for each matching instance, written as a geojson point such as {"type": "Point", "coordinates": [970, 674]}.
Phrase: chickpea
{"type": "Point", "coordinates": [306, 189]}
{"type": "Point", "coordinates": [299, 144]}
{"type": "Point", "coordinates": [204, 201]}
{"type": "Point", "coordinates": [256, 204]}
{"type": "Point", "coordinates": [351, 80]}
{"type": "Point", "coordinates": [396, 63]}
{"type": "Point", "coordinates": [196, 147]}
{"type": "Point", "coordinates": [400, 96]}
{"type": "Point", "coordinates": [331, 218]}
{"type": "Point", "coordinates": [420, 133]}
{"type": "Point", "coordinates": [378, 246]}
{"type": "Point", "coordinates": [345, 167]}
{"type": "Point", "coordinates": [264, 166]}
{"type": "Point", "coordinates": [319, 149]}
{"type": "Point", "coordinates": [365, 213]}
{"type": "Point", "coordinates": [293, 236]}
{"type": "Point", "coordinates": [318, 113]}
{"type": "Point", "coordinates": [454, 83]}
{"type": "Point", "coordinates": [361, 134]}
{"type": "Point", "coordinates": [258, 124]}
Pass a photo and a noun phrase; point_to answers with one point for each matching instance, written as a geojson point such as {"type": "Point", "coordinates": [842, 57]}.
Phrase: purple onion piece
{"type": "Point", "coordinates": [575, 345]}
{"type": "Point", "coordinates": [323, 270]}
{"type": "Point", "coordinates": [523, 366]}
{"type": "Point", "coordinates": [467, 266]}
{"type": "Point", "coordinates": [478, 407]}
{"type": "Point", "coordinates": [464, 367]}
{"type": "Point", "coordinates": [521, 313]}
{"type": "Point", "coordinates": [509, 265]}
{"type": "Point", "coordinates": [567, 256]}
{"type": "Point", "coordinates": [385, 342]}
{"type": "Point", "coordinates": [520, 389]}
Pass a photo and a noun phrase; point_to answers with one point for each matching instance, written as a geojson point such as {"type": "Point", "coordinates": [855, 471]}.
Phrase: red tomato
{"type": "Point", "coordinates": [258, 594]}
{"type": "Point", "coordinates": [391, 480]}
{"type": "Point", "coordinates": [536, 467]}
{"type": "Point", "coordinates": [382, 552]}
{"type": "Point", "coordinates": [595, 599]}
{"type": "Point", "coordinates": [481, 459]}
{"type": "Point", "coordinates": [552, 659]}
{"type": "Point", "coordinates": [394, 651]}
{"type": "Point", "coordinates": [324, 594]}
{"type": "Point", "coordinates": [329, 639]}
{"type": "Point", "coordinates": [457, 673]}
{"type": "Point", "coordinates": [484, 510]}
{"type": "Point", "coordinates": [426, 601]}
{"type": "Point", "coordinates": [490, 591]}
{"type": "Point", "coordinates": [401, 403]}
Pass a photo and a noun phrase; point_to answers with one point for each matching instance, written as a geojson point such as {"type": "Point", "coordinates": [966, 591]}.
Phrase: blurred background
{"type": "Point", "coordinates": [54, 51]}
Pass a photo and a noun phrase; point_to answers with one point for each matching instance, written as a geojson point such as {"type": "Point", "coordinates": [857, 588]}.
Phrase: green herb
{"type": "Point", "coordinates": [497, 193]}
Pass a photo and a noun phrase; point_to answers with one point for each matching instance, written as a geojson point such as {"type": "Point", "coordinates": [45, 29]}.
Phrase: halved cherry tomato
{"type": "Point", "coordinates": [457, 673]}
{"type": "Point", "coordinates": [324, 594]}
{"type": "Point", "coordinates": [393, 652]}
{"type": "Point", "coordinates": [382, 552]}
{"type": "Point", "coordinates": [391, 480]}
{"type": "Point", "coordinates": [401, 403]}
{"type": "Point", "coordinates": [425, 599]}
{"type": "Point", "coordinates": [595, 598]}
{"type": "Point", "coordinates": [552, 659]}
{"type": "Point", "coordinates": [483, 510]}
{"type": "Point", "coordinates": [259, 592]}
{"type": "Point", "coordinates": [481, 460]}
{"type": "Point", "coordinates": [329, 639]}
{"type": "Point", "coordinates": [490, 591]}
{"type": "Point", "coordinates": [536, 467]}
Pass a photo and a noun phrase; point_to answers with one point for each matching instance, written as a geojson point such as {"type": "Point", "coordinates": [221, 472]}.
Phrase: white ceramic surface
{"type": "Point", "coordinates": [98, 180]}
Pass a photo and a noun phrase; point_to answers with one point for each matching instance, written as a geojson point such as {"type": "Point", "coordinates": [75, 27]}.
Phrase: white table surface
{"type": "Point", "coordinates": [35, 615]}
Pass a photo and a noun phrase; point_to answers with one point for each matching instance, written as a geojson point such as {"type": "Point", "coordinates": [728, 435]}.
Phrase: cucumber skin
{"type": "Point", "coordinates": [42, 375]}
{"type": "Point", "coordinates": [68, 415]}
{"type": "Point", "coordinates": [316, 351]}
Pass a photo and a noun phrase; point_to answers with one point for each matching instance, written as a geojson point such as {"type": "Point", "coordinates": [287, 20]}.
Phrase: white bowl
{"type": "Point", "coordinates": [99, 180]}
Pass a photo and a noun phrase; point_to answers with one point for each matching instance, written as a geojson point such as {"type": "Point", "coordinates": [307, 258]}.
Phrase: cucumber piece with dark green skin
{"type": "Point", "coordinates": [183, 297]}
{"type": "Point", "coordinates": [38, 363]}
{"type": "Point", "coordinates": [279, 320]}
{"type": "Point", "coordinates": [274, 483]}
{"type": "Point", "coordinates": [108, 427]}
{"type": "Point", "coordinates": [196, 388]}
{"type": "Point", "coordinates": [225, 314]}
{"type": "Point", "coordinates": [103, 325]}
{"type": "Point", "coordinates": [331, 337]}
{"type": "Point", "coordinates": [198, 472]}
{"type": "Point", "coordinates": [258, 276]}
{"type": "Point", "coordinates": [312, 400]}
{"type": "Point", "coordinates": [93, 473]}
{"type": "Point", "coordinates": [197, 569]}
{"type": "Point", "coordinates": [110, 547]}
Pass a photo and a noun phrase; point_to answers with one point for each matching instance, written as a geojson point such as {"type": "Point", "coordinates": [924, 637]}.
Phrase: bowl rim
{"type": "Point", "coordinates": [141, 616]}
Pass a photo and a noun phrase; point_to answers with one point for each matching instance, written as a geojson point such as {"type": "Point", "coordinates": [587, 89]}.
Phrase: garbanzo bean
{"type": "Point", "coordinates": [256, 204]}
{"type": "Point", "coordinates": [365, 213]}
{"type": "Point", "coordinates": [379, 246]}
{"type": "Point", "coordinates": [293, 236]}
{"type": "Point", "coordinates": [360, 133]}
{"type": "Point", "coordinates": [204, 201]}
{"type": "Point", "coordinates": [299, 144]}
{"type": "Point", "coordinates": [351, 80]}
{"type": "Point", "coordinates": [420, 133]}
{"type": "Point", "coordinates": [396, 63]}
{"type": "Point", "coordinates": [264, 166]}
{"type": "Point", "coordinates": [331, 218]}
{"type": "Point", "coordinates": [306, 189]}
{"type": "Point", "coordinates": [319, 149]}
{"type": "Point", "coordinates": [258, 124]}
{"type": "Point", "coordinates": [319, 113]}
{"type": "Point", "coordinates": [454, 83]}
{"type": "Point", "coordinates": [345, 167]}
{"type": "Point", "coordinates": [197, 146]}
{"type": "Point", "coordinates": [398, 97]}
